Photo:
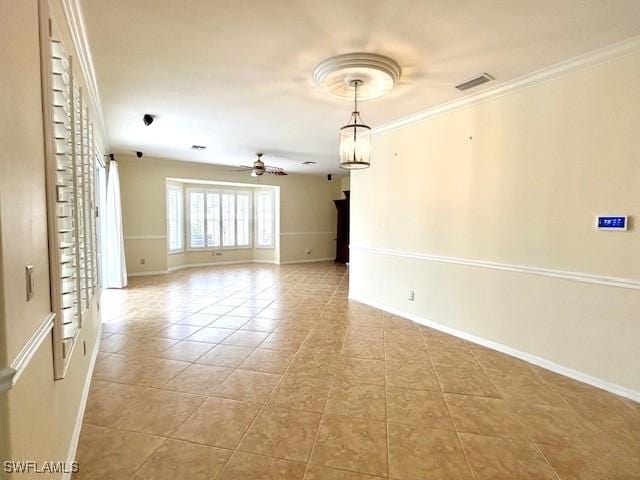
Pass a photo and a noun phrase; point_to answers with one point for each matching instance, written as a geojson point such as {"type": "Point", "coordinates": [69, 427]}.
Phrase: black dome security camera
{"type": "Point", "coordinates": [147, 119]}
{"type": "Point", "coordinates": [139, 154]}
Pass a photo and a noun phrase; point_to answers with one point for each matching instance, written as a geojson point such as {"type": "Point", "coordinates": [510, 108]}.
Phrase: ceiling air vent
{"type": "Point", "coordinates": [198, 147]}
{"type": "Point", "coordinates": [474, 82]}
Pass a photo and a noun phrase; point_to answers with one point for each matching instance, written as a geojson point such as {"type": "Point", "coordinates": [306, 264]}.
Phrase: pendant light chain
{"type": "Point", "coordinates": [355, 98]}
{"type": "Point", "coordinates": [355, 118]}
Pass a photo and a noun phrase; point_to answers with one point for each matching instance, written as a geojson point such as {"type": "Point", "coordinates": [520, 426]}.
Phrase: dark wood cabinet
{"type": "Point", "coordinates": [342, 237]}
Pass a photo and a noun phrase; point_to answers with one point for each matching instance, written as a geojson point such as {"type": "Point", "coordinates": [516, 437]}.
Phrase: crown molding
{"type": "Point", "coordinates": [588, 59]}
{"type": "Point", "coordinates": [75, 23]}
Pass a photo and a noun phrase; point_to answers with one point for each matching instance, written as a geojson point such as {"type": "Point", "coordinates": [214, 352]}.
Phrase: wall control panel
{"type": "Point", "coordinates": [612, 222]}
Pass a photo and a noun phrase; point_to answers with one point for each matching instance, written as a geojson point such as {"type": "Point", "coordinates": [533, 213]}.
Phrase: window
{"type": "Point", "coordinates": [174, 218]}
{"type": "Point", "coordinates": [218, 219]}
{"type": "Point", "coordinates": [213, 219]}
{"type": "Point", "coordinates": [196, 220]}
{"type": "Point", "coordinates": [243, 213]}
{"type": "Point", "coordinates": [228, 219]}
{"type": "Point", "coordinates": [264, 219]}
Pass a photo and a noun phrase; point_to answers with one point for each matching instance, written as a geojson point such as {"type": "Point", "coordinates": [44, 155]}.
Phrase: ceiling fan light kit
{"type": "Point", "coordinates": [362, 76]}
{"type": "Point", "coordinates": [259, 168]}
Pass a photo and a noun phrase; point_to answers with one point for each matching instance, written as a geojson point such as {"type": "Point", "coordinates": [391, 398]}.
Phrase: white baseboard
{"type": "Point", "coordinates": [75, 435]}
{"type": "Point", "coordinates": [146, 274]}
{"type": "Point", "coordinates": [307, 260]}
{"type": "Point", "coordinates": [213, 264]}
{"type": "Point", "coordinates": [527, 357]}
{"type": "Point", "coordinates": [230, 262]}
{"type": "Point", "coordinates": [208, 264]}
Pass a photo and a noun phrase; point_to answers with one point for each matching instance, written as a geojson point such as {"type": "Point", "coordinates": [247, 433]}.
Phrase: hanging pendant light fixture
{"type": "Point", "coordinates": [355, 138]}
{"type": "Point", "coordinates": [363, 76]}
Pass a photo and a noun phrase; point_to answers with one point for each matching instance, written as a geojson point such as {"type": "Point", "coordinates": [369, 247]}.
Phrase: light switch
{"type": "Point", "coordinates": [28, 271]}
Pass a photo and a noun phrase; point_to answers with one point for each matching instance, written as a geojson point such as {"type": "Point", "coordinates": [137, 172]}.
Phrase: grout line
{"type": "Point", "coordinates": [455, 427]}
{"type": "Point", "coordinates": [386, 401]}
{"type": "Point", "coordinates": [484, 372]}
{"type": "Point", "coordinates": [148, 457]}
{"type": "Point", "coordinates": [236, 449]}
{"type": "Point", "coordinates": [537, 447]}
{"type": "Point", "coordinates": [322, 415]}
{"type": "Point", "coordinates": [298, 295]}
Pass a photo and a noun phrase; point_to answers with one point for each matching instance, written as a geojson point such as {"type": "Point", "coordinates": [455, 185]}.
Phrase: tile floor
{"type": "Point", "coordinates": [267, 372]}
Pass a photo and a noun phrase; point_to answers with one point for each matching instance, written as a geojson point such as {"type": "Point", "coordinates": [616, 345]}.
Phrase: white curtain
{"type": "Point", "coordinates": [115, 266]}
{"type": "Point", "coordinates": [101, 200]}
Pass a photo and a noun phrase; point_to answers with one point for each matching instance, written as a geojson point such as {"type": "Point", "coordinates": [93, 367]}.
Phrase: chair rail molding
{"type": "Point", "coordinates": [307, 260]}
{"type": "Point", "coordinates": [291, 234]}
{"type": "Point", "coordinates": [10, 375]}
{"type": "Point", "coordinates": [146, 237]}
{"type": "Point", "coordinates": [619, 282]}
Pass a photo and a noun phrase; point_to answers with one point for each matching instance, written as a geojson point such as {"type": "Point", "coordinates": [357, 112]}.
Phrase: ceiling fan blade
{"type": "Point", "coordinates": [276, 172]}
{"type": "Point", "coordinates": [241, 168]}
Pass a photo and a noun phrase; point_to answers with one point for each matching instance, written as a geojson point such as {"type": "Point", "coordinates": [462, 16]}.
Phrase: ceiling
{"type": "Point", "coordinates": [236, 75]}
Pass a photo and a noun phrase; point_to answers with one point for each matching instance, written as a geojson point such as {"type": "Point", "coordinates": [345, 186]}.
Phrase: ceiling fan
{"type": "Point", "coordinates": [259, 168]}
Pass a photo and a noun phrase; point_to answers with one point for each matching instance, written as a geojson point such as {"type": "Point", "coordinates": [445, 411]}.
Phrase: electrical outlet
{"type": "Point", "coordinates": [218, 254]}
{"type": "Point", "coordinates": [411, 295]}
{"type": "Point", "coordinates": [143, 261]}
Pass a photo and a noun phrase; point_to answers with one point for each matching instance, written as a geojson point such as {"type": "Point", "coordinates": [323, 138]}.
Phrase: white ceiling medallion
{"type": "Point", "coordinates": [360, 76]}
{"type": "Point", "coordinates": [377, 73]}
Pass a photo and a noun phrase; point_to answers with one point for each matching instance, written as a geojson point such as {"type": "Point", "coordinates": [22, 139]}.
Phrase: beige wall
{"type": "Point", "coordinates": [307, 213]}
{"type": "Point", "coordinates": [345, 183]}
{"type": "Point", "coordinates": [22, 195]}
{"type": "Point", "coordinates": [38, 415]}
{"type": "Point", "coordinates": [519, 180]}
